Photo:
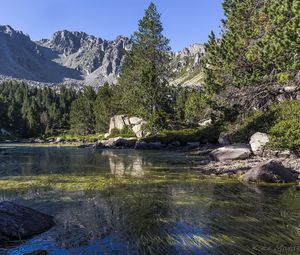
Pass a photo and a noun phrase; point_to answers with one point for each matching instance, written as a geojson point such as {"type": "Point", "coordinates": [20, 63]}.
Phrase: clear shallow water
{"type": "Point", "coordinates": [129, 202]}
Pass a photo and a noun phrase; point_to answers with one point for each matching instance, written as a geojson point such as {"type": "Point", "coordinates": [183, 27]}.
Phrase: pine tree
{"type": "Point", "coordinates": [144, 81]}
{"type": "Point", "coordinates": [104, 107]}
{"type": "Point", "coordinates": [257, 52]}
{"type": "Point", "coordinates": [82, 116]}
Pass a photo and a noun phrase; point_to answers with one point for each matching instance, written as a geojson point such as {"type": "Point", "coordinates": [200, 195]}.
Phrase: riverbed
{"type": "Point", "coordinates": [144, 202]}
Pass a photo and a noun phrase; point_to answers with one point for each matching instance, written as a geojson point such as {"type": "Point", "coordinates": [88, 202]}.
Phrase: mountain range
{"type": "Point", "coordinates": [80, 59]}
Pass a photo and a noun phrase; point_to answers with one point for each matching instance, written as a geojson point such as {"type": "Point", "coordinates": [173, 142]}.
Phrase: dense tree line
{"type": "Point", "coordinates": [30, 111]}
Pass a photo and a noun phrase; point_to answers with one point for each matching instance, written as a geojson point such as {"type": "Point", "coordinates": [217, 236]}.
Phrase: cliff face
{"type": "Point", "coordinates": [80, 59]}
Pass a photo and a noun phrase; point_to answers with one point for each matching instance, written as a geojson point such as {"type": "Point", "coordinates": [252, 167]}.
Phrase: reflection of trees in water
{"type": "Point", "coordinates": [27, 161]}
{"type": "Point", "coordinates": [250, 220]}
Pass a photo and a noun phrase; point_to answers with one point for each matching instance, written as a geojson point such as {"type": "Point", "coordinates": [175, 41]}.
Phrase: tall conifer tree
{"type": "Point", "coordinates": [144, 81]}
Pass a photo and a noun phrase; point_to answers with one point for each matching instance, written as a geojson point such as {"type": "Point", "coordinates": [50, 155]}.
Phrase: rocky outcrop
{"type": "Point", "coordinates": [272, 171]}
{"type": "Point", "coordinates": [257, 142]}
{"type": "Point", "coordinates": [231, 152]}
{"type": "Point", "coordinates": [134, 124]}
{"type": "Point", "coordinates": [20, 222]}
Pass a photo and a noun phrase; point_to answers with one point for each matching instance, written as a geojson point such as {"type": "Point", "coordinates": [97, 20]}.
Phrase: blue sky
{"type": "Point", "coordinates": [185, 21]}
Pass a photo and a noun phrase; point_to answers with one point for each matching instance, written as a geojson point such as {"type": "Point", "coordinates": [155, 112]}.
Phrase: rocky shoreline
{"type": "Point", "coordinates": [207, 165]}
{"type": "Point", "coordinates": [211, 159]}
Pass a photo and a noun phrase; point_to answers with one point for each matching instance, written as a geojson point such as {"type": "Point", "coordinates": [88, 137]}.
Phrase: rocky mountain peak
{"type": "Point", "coordinates": [7, 30]}
{"type": "Point", "coordinates": [66, 42]}
{"type": "Point", "coordinates": [192, 50]}
{"type": "Point", "coordinates": [67, 57]}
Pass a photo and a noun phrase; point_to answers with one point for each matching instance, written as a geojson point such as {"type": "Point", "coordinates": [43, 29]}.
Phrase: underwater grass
{"type": "Point", "coordinates": [102, 182]}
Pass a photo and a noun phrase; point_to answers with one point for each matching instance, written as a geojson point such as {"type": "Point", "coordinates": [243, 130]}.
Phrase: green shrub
{"type": "Point", "coordinates": [126, 132]}
{"type": "Point", "coordinates": [207, 134]}
{"type": "Point", "coordinates": [242, 129]}
{"type": "Point", "coordinates": [285, 133]}
{"type": "Point", "coordinates": [281, 122]}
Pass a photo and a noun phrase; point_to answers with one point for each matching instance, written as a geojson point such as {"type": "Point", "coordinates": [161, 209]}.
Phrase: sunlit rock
{"type": "Point", "coordinates": [231, 152]}
{"type": "Point", "coordinates": [258, 141]}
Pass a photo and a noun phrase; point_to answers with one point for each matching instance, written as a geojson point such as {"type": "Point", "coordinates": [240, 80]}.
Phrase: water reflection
{"type": "Point", "coordinates": [132, 165]}
{"type": "Point", "coordinates": [154, 217]}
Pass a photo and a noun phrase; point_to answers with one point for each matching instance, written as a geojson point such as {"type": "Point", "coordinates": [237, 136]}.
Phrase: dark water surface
{"type": "Point", "coordinates": [130, 202]}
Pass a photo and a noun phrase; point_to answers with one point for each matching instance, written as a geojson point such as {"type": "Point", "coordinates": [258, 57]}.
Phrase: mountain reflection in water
{"type": "Point", "coordinates": [161, 208]}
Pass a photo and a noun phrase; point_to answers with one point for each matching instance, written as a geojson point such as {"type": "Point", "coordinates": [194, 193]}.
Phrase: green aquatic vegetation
{"type": "Point", "coordinates": [100, 182]}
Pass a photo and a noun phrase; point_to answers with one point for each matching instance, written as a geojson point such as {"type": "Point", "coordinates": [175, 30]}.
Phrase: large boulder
{"type": "Point", "coordinates": [258, 141]}
{"type": "Point", "coordinates": [272, 171]}
{"type": "Point", "coordinates": [135, 120]}
{"type": "Point", "coordinates": [122, 122]}
{"type": "Point", "coordinates": [231, 152]}
{"type": "Point", "coordinates": [117, 122]}
{"type": "Point", "coordinates": [20, 222]}
{"type": "Point", "coordinates": [139, 129]}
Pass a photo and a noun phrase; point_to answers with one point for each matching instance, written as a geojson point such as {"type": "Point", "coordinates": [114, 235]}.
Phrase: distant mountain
{"type": "Point", "coordinates": [186, 66]}
{"type": "Point", "coordinates": [68, 57]}
{"type": "Point", "coordinates": [78, 58]}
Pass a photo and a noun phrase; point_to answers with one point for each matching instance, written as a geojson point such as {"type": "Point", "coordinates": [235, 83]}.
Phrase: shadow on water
{"type": "Point", "coordinates": [148, 204]}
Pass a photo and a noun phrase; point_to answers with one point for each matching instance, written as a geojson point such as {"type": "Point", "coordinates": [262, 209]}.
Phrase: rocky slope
{"type": "Point", "coordinates": [67, 57]}
{"type": "Point", "coordinates": [78, 58]}
{"type": "Point", "coordinates": [186, 66]}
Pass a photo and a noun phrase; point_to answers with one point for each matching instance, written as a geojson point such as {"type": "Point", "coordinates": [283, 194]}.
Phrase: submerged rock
{"type": "Point", "coordinates": [19, 222]}
{"type": "Point", "coordinates": [231, 152]}
{"type": "Point", "coordinates": [272, 171]}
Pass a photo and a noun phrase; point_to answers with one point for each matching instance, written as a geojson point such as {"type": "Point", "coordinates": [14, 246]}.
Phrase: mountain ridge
{"type": "Point", "coordinates": [76, 58]}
